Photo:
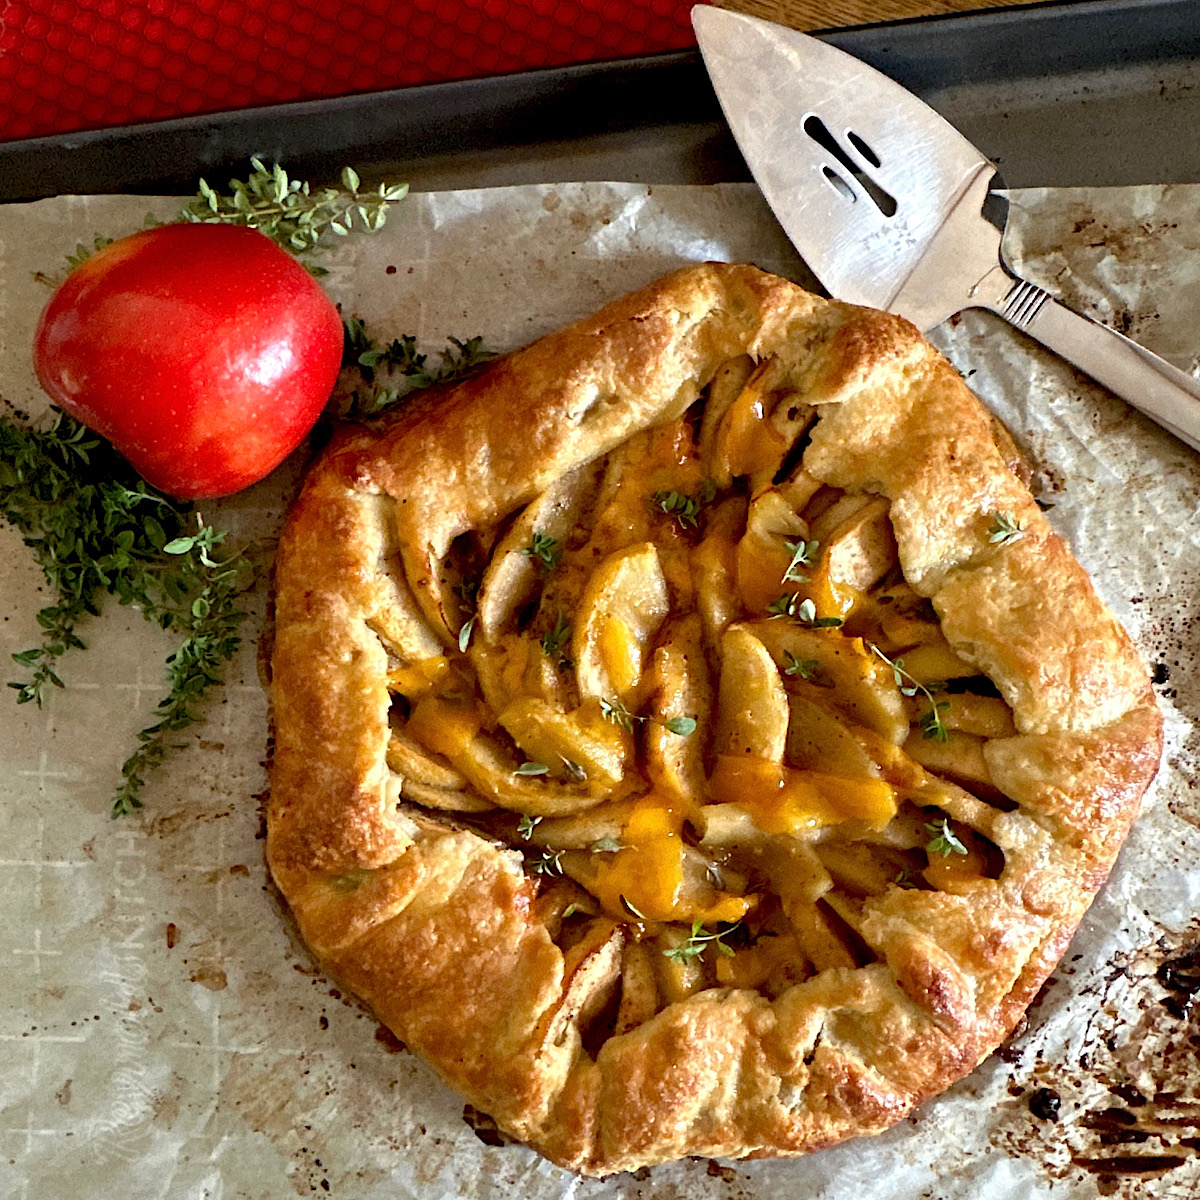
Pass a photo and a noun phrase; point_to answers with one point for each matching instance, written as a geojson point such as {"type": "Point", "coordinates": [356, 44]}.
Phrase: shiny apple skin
{"type": "Point", "coordinates": [204, 353]}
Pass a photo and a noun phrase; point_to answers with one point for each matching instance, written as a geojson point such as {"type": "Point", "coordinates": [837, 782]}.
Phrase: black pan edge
{"type": "Point", "coordinates": [642, 96]}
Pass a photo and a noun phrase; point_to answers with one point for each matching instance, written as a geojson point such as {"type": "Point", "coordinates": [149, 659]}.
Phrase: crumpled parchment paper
{"type": "Point", "coordinates": [163, 1032]}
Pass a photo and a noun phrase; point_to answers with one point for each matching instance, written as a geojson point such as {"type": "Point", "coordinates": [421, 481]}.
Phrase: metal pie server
{"type": "Point", "coordinates": [884, 200]}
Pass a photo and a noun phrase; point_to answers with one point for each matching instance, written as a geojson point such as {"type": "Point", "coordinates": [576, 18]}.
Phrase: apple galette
{"type": "Point", "coordinates": [690, 735]}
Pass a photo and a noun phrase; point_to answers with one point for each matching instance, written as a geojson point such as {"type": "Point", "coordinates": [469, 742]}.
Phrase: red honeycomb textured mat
{"type": "Point", "coordinates": [67, 65]}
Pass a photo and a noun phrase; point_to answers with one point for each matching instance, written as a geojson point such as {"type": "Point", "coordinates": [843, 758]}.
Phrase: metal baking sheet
{"type": "Point", "coordinates": [1059, 95]}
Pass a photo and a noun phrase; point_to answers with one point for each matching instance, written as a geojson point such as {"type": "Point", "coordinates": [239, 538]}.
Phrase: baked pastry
{"type": "Point", "coordinates": [690, 735]}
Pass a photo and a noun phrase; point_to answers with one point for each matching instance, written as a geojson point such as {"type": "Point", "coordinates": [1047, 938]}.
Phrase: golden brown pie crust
{"type": "Point", "coordinates": [439, 925]}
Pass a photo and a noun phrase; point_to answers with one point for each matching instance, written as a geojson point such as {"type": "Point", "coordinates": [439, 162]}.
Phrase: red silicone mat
{"type": "Point", "coordinates": [67, 65]}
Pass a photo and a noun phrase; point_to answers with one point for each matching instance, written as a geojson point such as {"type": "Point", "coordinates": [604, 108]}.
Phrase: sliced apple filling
{"type": "Point", "coordinates": [691, 686]}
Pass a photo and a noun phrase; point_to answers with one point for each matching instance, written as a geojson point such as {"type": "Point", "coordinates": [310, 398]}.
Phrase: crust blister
{"type": "Point", "coordinates": [499, 949]}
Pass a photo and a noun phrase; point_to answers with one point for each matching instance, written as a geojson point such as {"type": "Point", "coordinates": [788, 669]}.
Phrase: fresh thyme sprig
{"type": "Point", "coordinates": [932, 725]}
{"type": "Point", "coordinates": [614, 710]}
{"type": "Point", "coordinates": [95, 527]}
{"type": "Point", "coordinates": [943, 841]}
{"type": "Point", "coordinates": [1005, 529]}
{"type": "Point", "coordinates": [685, 509]}
{"type": "Point", "coordinates": [544, 549]}
{"type": "Point", "coordinates": [198, 664]}
{"type": "Point", "coordinates": [401, 369]}
{"type": "Point", "coordinates": [288, 211]}
{"type": "Point", "coordinates": [468, 597]}
{"type": "Point", "coordinates": [806, 668]}
{"type": "Point", "coordinates": [548, 862]}
{"type": "Point", "coordinates": [698, 941]}
{"type": "Point", "coordinates": [554, 642]}
{"type": "Point", "coordinates": [291, 213]}
{"type": "Point", "coordinates": [803, 612]}
{"type": "Point", "coordinates": [802, 553]}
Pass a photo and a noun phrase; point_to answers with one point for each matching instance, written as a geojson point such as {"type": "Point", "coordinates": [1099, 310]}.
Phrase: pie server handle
{"type": "Point", "coordinates": [1164, 393]}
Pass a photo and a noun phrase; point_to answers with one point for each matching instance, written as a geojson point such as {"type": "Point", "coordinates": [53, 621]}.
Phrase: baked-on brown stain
{"type": "Point", "coordinates": [1151, 1064]}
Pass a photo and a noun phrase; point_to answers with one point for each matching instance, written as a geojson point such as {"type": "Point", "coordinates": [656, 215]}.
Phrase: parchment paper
{"type": "Point", "coordinates": [162, 1031]}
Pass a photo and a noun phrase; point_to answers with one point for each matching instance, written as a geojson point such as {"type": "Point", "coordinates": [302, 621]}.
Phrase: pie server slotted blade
{"type": "Point", "coordinates": [884, 200]}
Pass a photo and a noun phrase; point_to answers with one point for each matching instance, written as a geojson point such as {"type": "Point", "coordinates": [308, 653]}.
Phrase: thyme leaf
{"type": "Point", "coordinates": [554, 642]}
{"type": "Point", "coordinates": [94, 527]}
{"type": "Point", "coordinates": [685, 509]}
{"type": "Point", "coordinates": [680, 726]}
{"type": "Point", "coordinates": [467, 592]}
{"type": "Point", "coordinates": [83, 253]}
{"type": "Point", "coordinates": [545, 549]}
{"type": "Point", "coordinates": [290, 212]}
{"type": "Point", "coordinates": [1005, 529]}
{"type": "Point", "coordinates": [932, 725]}
{"type": "Point", "coordinates": [943, 842]}
{"type": "Point", "coordinates": [806, 668]}
{"type": "Point", "coordinates": [393, 372]}
{"type": "Point", "coordinates": [803, 612]}
{"type": "Point", "coordinates": [464, 634]}
{"type": "Point", "coordinates": [615, 711]}
{"type": "Point", "coordinates": [698, 941]}
{"type": "Point", "coordinates": [802, 556]}
{"type": "Point", "coordinates": [573, 769]}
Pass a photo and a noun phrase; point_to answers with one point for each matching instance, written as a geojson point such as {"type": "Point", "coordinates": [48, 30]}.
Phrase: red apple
{"type": "Point", "coordinates": [204, 353]}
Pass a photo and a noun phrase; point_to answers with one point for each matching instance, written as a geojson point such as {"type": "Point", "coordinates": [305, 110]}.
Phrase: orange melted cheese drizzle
{"type": "Point", "coordinates": [445, 726]}
{"type": "Point", "coordinates": [662, 459]}
{"type": "Point", "coordinates": [830, 597]}
{"type": "Point", "coordinates": [646, 875]}
{"type": "Point", "coordinates": [648, 870]}
{"type": "Point", "coordinates": [621, 655]}
{"type": "Point", "coordinates": [416, 678]}
{"type": "Point", "coordinates": [782, 799]}
{"type": "Point", "coordinates": [752, 444]}
{"type": "Point", "coordinates": [761, 565]}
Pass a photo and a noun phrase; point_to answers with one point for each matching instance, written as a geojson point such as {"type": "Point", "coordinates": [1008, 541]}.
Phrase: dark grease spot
{"type": "Point", "coordinates": [1181, 977]}
{"type": "Point", "coordinates": [1130, 1094]}
{"type": "Point", "coordinates": [1129, 1164]}
{"type": "Point", "coordinates": [1044, 1104]}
